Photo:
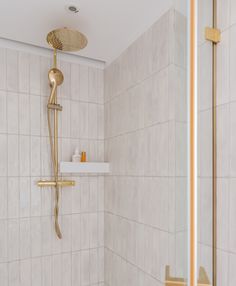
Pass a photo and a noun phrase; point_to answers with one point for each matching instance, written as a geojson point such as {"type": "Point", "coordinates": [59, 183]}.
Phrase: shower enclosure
{"type": "Point", "coordinates": [143, 223]}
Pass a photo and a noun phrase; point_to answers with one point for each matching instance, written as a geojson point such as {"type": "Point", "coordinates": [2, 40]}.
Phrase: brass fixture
{"type": "Point", "coordinates": [67, 40]}
{"type": "Point", "coordinates": [192, 141]}
{"type": "Point", "coordinates": [54, 183]}
{"type": "Point", "coordinates": [56, 78]}
{"type": "Point", "coordinates": [203, 279]}
{"type": "Point", "coordinates": [214, 35]}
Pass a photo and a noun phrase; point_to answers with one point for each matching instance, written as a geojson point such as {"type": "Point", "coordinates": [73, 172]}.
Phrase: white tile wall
{"type": "Point", "coordinates": [30, 253]}
{"type": "Point", "coordinates": [145, 141]}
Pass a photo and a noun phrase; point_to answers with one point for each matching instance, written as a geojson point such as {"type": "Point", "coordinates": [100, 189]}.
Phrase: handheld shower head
{"type": "Point", "coordinates": [56, 78]}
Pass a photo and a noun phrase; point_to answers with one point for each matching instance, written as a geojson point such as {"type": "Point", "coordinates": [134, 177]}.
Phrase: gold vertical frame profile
{"type": "Point", "coordinates": [214, 150]}
{"type": "Point", "coordinates": [192, 68]}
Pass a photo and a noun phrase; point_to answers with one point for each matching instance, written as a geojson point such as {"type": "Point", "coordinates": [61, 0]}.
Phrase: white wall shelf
{"type": "Point", "coordinates": [85, 167]}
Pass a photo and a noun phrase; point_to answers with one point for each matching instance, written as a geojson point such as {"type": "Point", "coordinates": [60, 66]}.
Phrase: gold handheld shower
{"type": "Point", "coordinates": [56, 78]}
{"type": "Point", "coordinates": [64, 40]}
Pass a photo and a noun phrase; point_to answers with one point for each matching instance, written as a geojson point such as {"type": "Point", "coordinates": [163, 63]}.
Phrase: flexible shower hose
{"type": "Point", "coordinates": [55, 171]}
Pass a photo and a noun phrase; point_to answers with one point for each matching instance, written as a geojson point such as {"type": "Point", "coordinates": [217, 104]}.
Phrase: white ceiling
{"type": "Point", "coordinates": [110, 25]}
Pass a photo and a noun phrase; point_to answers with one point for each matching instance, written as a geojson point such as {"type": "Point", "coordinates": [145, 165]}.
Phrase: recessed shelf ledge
{"type": "Point", "coordinates": [85, 167]}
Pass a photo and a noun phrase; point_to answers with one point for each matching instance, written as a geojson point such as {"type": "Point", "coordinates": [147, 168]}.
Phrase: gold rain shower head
{"type": "Point", "coordinates": [66, 40]}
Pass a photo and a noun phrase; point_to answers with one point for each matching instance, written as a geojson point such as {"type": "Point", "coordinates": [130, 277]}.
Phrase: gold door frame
{"type": "Point", "coordinates": [212, 34]}
{"type": "Point", "coordinates": [192, 110]}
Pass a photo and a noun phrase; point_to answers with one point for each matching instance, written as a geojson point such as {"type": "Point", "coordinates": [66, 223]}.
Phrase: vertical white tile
{"type": "Point", "coordinates": [24, 185]}
{"type": "Point", "coordinates": [100, 87]}
{"type": "Point", "coordinates": [25, 272]}
{"type": "Point", "coordinates": [85, 270]}
{"type": "Point", "coordinates": [83, 83]}
{"type": "Point", "coordinates": [85, 231]}
{"type": "Point", "coordinates": [35, 196]}
{"type": "Point", "coordinates": [14, 273]}
{"type": "Point", "coordinates": [3, 198]}
{"type": "Point", "coordinates": [24, 69]}
{"type": "Point", "coordinates": [46, 201]}
{"type": "Point", "coordinates": [223, 140]}
{"type": "Point", "coordinates": [65, 118]}
{"type": "Point", "coordinates": [46, 166]}
{"type": "Point", "coordinates": [13, 197]}
{"type": "Point", "coordinates": [100, 122]}
{"type": "Point", "coordinates": [36, 236]}
{"type": "Point", "coordinates": [4, 274]}
{"type": "Point", "coordinates": [93, 233]}
{"type": "Point", "coordinates": [92, 121]}
{"type": "Point", "coordinates": [232, 12]}
{"type": "Point", "coordinates": [93, 84]}
{"type": "Point", "coordinates": [34, 74]}
{"type": "Point", "coordinates": [36, 272]}
{"type": "Point", "coordinates": [24, 114]}
{"type": "Point", "coordinates": [159, 101]}
{"type": "Point", "coordinates": [75, 81]}
{"type": "Point", "coordinates": [206, 211]}
{"type": "Point", "coordinates": [65, 87]}
{"type": "Point", "coordinates": [46, 229]}
{"type": "Point", "coordinates": [35, 115]}
{"type": "Point", "coordinates": [3, 112]}
{"type": "Point", "coordinates": [223, 13]}
{"type": "Point", "coordinates": [83, 120]}
{"type": "Point", "coordinates": [232, 139]}
{"type": "Point", "coordinates": [93, 194]}
{"type": "Point", "coordinates": [74, 119]}
{"type": "Point", "coordinates": [12, 113]}
{"type": "Point", "coordinates": [13, 239]}
{"type": "Point", "coordinates": [205, 146]}
{"type": "Point", "coordinates": [46, 271]}
{"type": "Point", "coordinates": [12, 70]}
{"type": "Point", "coordinates": [13, 155]}
{"type": "Point", "coordinates": [43, 116]}
{"type": "Point", "coordinates": [35, 156]}
{"type": "Point", "coordinates": [3, 154]}
{"type": "Point", "coordinates": [232, 212]}
{"type": "Point", "coordinates": [66, 269]}
{"type": "Point", "coordinates": [205, 14]}
{"type": "Point", "coordinates": [56, 270]}
{"type": "Point", "coordinates": [93, 267]}
{"type": "Point", "coordinates": [101, 268]}
{"type": "Point", "coordinates": [76, 232]}
{"type": "Point", "coordinates": [232, 265]}
{"type": "Point", "coordinates": [84, 194]}
{"type": "Point", "coordinates": [25, 238]}
{"type": "Point", "coordinates": [101, 190]}
{"type": "Point", "coordinates": [3, 68]}
{"type": "Point", "coordinates": [160, 43]}
{"type": "Point", "coordinates": [223, 68]}
{"type": "Point", "coordinates": [232, 57]}
{"type": "Point", "coordinates": [24, 155]}
{"type": "Point", "coordinates": [222, 267]}
{"type": "Point", "coordinates": [3, 241]}
{"type": "Point", "coordinates": [76, 268]}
